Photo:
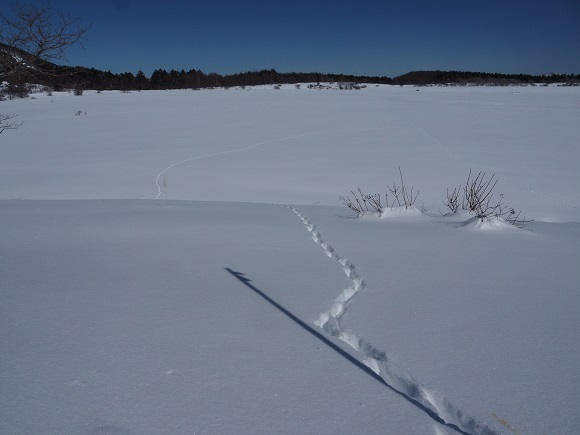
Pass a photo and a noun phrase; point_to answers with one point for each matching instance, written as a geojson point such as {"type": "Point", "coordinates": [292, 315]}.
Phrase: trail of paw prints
{"type": "Point", "coordinates": [551, 197]}
{"type": "Point", "coordinates": [432, 402]}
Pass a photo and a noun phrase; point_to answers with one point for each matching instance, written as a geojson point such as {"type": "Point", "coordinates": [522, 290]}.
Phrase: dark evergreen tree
{"type": "Point", "coordinates": [141, 81]}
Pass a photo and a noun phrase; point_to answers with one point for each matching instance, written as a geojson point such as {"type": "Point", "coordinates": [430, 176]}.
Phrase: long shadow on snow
{"type": "Point", "coordinates": [246, 281]}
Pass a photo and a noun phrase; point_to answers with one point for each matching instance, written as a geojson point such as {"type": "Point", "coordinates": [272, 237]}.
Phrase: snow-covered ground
{"type": "Point", "coordinates": [251, 300]}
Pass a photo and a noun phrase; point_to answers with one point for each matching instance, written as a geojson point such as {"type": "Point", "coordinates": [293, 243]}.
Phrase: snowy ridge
{"type": "Point", "coordinates": [376, 359]}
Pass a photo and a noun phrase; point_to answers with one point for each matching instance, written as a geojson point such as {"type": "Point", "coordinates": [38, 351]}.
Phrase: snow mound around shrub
{"type": "Point", "coordinates": [394, 212]}
{"type": "Point", "coordinates": [491, 223]}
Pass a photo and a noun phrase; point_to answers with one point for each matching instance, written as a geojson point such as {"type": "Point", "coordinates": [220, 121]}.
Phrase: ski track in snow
{"type": "Point", "coordinates": [376, 359]}
{"type": "Point", "coordinates": [236, 150]}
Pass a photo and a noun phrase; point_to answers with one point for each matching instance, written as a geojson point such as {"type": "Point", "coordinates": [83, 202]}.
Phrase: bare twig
{"type": "Point", "coordinates": [408, 198]}
{"type": "Point", "coordinates": [395, 190]}
{"type": "Point", "coordinates": [5, 125]}
{"type": "Point", "coordinates": [478, 193]}
{"type": "Point", "coordinates": [452, 199]}
{"type": "Point", "coordinates": [355, 205]}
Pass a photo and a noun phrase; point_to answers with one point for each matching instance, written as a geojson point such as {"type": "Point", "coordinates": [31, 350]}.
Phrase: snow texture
{"type": "Point", "coordinates": [179, 262]}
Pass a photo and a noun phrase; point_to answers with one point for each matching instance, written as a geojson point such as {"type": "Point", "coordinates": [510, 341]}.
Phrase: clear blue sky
{"type": "Point", "coordinates": [367, 37]}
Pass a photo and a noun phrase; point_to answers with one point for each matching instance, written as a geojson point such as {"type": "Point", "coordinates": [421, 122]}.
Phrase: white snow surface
{"type": "Point", "coordinates": [251, 300]}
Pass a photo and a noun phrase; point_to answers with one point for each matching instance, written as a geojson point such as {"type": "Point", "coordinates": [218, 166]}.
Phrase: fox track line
{"type": "Point", "coordinates": [375, 358]}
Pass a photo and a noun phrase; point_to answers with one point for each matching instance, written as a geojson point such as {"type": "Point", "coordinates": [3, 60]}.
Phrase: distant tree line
{"type": "Point", "coordinates": [80, 78]}
{"type": "Point", "coordinates": [422, 78]}
{"type": "Point", "coordinates": [90, 78]}
{"type": "Point", "coordinates": [196, 79]}
{"type": "Point", "coordinates": [57, 77]}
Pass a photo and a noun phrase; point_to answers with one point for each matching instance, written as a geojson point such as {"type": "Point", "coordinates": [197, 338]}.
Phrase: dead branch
{"type": "Point", "coordinates": [408, 198]}
{"type": "Point", "coordinates": [5, 125]}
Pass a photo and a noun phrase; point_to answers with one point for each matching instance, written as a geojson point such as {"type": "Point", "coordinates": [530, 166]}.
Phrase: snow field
{"type": "Point", "coordinates": [119, 315]}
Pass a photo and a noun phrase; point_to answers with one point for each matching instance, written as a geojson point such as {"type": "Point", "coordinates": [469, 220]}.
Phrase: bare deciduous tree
{"type": "Point", "coordinates": [32, 36]}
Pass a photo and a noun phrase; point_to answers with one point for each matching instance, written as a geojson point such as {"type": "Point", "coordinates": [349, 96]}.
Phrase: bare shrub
{"type": "Point", "coordinates": [452, 201]}
{"type": "Point", "coordinates": [362, 203]}
{"type": "Point", "coordinates": [478, 193]}
{"type": "Point", "coordinates": [477, 197]}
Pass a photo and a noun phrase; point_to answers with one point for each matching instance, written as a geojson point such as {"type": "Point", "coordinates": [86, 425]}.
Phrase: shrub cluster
{"type": "Point", "coordinates": [476, 196]}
